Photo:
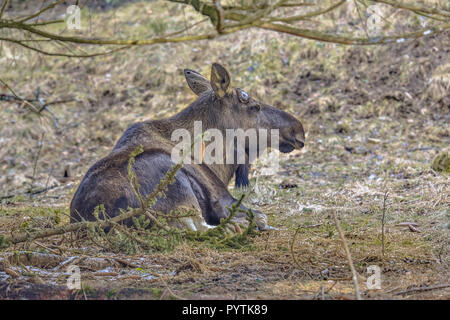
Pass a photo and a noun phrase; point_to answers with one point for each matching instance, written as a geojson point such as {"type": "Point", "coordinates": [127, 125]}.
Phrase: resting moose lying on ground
{"type": "Point", "coordinates": [200, 187]}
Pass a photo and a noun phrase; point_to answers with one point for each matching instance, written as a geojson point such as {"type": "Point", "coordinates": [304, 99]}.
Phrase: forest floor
{"type": "Point", "coordinates": [375, 118]}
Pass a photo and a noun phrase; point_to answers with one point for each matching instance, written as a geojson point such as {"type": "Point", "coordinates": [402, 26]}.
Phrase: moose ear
{"type": "Point", "coordinates": [196, 81]}
{"type": "Point", "coordinates": [220, 80]}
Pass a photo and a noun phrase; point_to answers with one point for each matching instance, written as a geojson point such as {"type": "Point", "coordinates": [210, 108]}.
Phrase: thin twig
{"type": "Point", "coordinates": [3, 8]}
{"type": "Point", "coordinates": [349, 257]}
{"type": "Point", "coordinates": [37, 14]}
{"type": "Point", "coordinates": [32, 106]}
{"type": "Point", "coordinates": [383, 222]}
{"type": "Point", "coordinates": [170, 291]}
{"type": "Point", "coordinates": [40, 144]}
{"type": "Point", "coordinates": [293, 254]}
{"type": "Point", "coordinates": [416, 290]}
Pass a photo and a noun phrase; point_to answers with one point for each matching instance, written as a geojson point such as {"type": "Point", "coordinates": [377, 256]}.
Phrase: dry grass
{"type": "Point", "coordinates": [375, 119]}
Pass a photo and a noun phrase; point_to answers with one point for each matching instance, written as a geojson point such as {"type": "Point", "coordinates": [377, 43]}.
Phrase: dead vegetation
{"type": "Point", "coordinates": [376, 122]}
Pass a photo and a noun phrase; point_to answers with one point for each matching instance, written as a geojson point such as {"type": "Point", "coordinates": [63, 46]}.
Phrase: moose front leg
{"type": "Point", "coordinates": [259, 218]}
{"type": "Point", "coordinates": [241, 173]}
{"type": "Point", "coordinates": [220, 209]}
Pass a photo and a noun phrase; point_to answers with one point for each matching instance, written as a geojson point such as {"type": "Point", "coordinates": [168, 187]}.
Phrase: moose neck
{"type": "Point", "coordinates": [224, 172]}
{"type": "Point", "coordinates": [201, 111]}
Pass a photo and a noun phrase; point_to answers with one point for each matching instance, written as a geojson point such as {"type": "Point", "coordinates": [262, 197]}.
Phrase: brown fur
{"type": "Point", "coordinates": [200, 187]}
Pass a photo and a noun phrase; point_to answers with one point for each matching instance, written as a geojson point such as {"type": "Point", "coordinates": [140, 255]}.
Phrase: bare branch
{"type": "Point", "coordinates": [32, 106]}
{"type": "Point", "coordinates": [61, 54]}
{"type": "Point", "coordinates": [3, 8]}
{"type": "Point", "coordinates": [228, 19]}
{"type": "Point", "coordinates": [45, 23]}
{"type": "Point", "coordinates": [50, 6]}
{"type": "Point", "coordinates": [415, 8]}
{"type": "Point", "coordinates": [73, 39]}
{"type": "Point", "coordinates": [321, 36]}
{"type": "Point", "coordinates": [220, 20]}
{"type": "Point", "coordinates": [309, 15]}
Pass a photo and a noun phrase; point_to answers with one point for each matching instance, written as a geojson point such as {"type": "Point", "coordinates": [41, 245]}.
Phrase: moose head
{"type": "Point", "coordinates": [224, 108]}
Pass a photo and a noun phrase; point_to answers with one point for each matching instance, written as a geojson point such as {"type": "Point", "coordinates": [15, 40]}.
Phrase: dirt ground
{"type": "Point", "coordinates": [375, 118]}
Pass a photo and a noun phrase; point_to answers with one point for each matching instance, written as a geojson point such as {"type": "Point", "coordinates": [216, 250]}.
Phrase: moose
{"type": "Point", "coordinates": [199, 187]}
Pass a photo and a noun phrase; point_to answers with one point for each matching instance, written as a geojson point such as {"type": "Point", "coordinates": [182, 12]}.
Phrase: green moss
{"type": "Point", "coordinates": [111, 293]}
{"type": "Point", "coordinates": [156, 292]}
{"type": "Point", "coordinates": [441, 162]}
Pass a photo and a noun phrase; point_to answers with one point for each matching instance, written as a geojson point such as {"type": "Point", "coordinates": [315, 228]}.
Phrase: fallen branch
{"type": "Point", "coordinates": [79, 226]}
{"type": "Point", "coordinates": [100, 224]}
{"type": "Point", "coordinates": [33, 192]}
{"type": "Point", "coordinates": [55, 262]}
{"type": "Point", "coordinates": [416, 290]}
{"type": "Point", "coordinates": [412, 226]}
{"type": "Point", "coordinates": [36, 105]}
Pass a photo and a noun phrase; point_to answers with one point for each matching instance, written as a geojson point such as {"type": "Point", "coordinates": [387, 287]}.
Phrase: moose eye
{"type": "Point", "coordinates": [243, 95]}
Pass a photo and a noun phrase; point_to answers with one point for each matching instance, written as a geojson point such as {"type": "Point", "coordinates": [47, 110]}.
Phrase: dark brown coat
{"type": "Point", "coordinates": [200, 187]}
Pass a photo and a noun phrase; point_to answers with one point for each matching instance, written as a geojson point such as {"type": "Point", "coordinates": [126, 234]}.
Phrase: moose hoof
{"type": "Point", "coordinates": [261, 221]}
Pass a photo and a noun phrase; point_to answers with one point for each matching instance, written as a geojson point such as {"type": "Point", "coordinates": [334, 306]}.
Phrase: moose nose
{"type": "Point", "coordinates": [299, 139]}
